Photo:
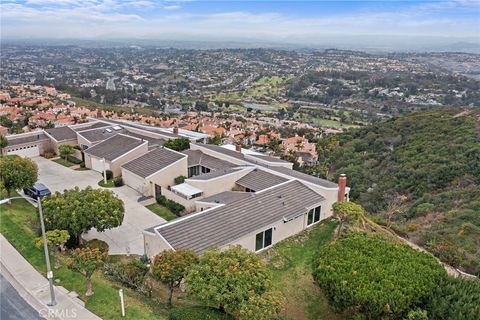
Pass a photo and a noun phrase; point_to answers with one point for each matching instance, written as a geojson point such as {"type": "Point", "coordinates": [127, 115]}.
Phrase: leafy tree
{"type": "Point", "coordinates": [3, 143]}
{"type": "Point", "coordinates": [87, 261]}
{"type": "Point", "coordinates": [78, 211]}
{"type": "Point", "coordinates": [350, 212]}
{"type": "Point", "coordinates": [217, 139]}
{"type": "Point", "coordinates": [233, 280]}
{"type": "Point", "coordinates": [417, 314]}
{"type": "Point", "coordinates": [66, 150]}
{"type": "Point", "coordinates": [178, 144]}
{"type": "Point", "coordinates": [56, 239]}
{"type": "Point", "coordinates": [170, 267]}
{"type": "Point", "coordinates": [17, 172]}
{"type": "Point", "coordinates": [380, 279]}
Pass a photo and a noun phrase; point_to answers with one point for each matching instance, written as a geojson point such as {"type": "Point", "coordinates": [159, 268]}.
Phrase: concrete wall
{"type": "Point", "coordinates": [116, 164]}
{"type": "Point", "coordinates": [219, 184]}
{"type": "Point", "coordinates": [153, 244]}
{"type": "Point", "coordinates": [166, 177]}
{"type": "Point", "coordinates": [188, 204]}
{"type": "Point", "coordinates": [280, 230]}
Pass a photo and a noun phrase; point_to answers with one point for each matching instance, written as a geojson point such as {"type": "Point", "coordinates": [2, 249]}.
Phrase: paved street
{"type": "Point", "coordinates": [128, 237]}
{"type": "Point", "coordinates": [12, 305]}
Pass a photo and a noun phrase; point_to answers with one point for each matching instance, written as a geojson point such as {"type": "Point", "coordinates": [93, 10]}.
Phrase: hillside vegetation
{"type": "Point", "coordinates": [420, 174]}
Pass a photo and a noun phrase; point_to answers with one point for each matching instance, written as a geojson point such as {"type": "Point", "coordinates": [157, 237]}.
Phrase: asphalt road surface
{"type": "Point", "coordinates": [12, 305]}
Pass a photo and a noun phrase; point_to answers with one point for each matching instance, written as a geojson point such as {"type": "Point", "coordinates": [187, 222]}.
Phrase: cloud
{"type": "Point", "coordinates": [163, 19]}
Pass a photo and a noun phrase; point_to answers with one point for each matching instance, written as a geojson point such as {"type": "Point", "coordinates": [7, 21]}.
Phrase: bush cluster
{"type": "Point", "coordinates": [198, 313]}
{"type": "Point", "coordinates": [132, 274]}
{"type": "Point", "coordinates": [74, 160]}
{"type": "Point", "coordinates": [118, 181]}
{"type": "Point", "coordinates": [180, 179]}
{"type": "Point", "coordinates": [170, 204]}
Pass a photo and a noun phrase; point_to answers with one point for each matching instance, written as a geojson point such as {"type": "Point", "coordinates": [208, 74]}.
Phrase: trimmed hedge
{"type": "Point", "coordinates": [74, 160]}
{"type": "Point", "coordinates": [170, 204]}
{"type": "Point", "coordinates": [198, 313]}
{"type": "Point", "coordinates": [180, 179]}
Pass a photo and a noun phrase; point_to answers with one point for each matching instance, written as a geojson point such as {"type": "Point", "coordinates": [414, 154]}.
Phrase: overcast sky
{"type": "Point", "coordinates": [275, 21]}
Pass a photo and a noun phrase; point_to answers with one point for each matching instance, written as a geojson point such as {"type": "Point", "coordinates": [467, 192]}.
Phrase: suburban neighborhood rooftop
{"type": "Point", "coordinates": [222, 225]}
{"type": "Point", "coordinates": [114, 147]}
{"type": "Point", "coordinates": [152, 162]}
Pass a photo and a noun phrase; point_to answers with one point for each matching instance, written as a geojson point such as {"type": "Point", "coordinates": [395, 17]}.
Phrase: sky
{"type": "Point", "coordinates": [301, 22]}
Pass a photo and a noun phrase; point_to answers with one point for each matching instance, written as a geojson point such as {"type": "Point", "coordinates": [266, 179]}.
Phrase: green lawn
{"type": "Point", "coordinates": [64, 162]}
{"type": "Point", "coordinates": [109, 184]}
{"type": "Point", "coordinates": [18, 222]}
{"type": "Point", "coordinates": [161, 211]}
{"type": "Point", "coordinates": [291, 264]}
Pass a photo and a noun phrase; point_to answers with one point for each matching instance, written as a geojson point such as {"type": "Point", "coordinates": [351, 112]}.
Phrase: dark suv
{"type": "Point", "coordinates": [38, 190]}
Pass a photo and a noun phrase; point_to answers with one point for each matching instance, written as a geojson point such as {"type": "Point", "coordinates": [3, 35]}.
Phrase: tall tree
{"type": "Point", "coordinates": [87, 261]}
{"type": "Point", "coordinates": [65, 150]}
{"type": "Point", "coordinates": [178, 144]}
{"type": "Point", "coordinates": [3, 143]}
{"type": "Point", "coordinates": [348, 212]}
{"type": "Point", "coordinates": [17, 172]}
{"type": "Point", "coordinates": [56, 240]}
{"type": "Point", "coordinates": [234, 280]}
{"type": "Point", "coordinates": [78, 211]}
{"type": "Point", "coordinates": [170, 267]}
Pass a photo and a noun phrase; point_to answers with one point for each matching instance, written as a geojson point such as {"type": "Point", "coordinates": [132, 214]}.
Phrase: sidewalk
{"type": "Point", "coordinates": [33, 287]}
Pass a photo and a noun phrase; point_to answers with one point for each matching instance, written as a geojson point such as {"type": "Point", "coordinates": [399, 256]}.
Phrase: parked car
{"type": "Point", "coordinates": [38, 190]}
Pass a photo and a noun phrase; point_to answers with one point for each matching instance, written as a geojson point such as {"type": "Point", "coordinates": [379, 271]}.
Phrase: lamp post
{"type": "Point", "coordinates": [45, 246]}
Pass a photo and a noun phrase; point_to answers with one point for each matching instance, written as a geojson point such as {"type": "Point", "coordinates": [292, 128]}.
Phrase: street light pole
{"type": "Point", "coordinates": [45, 246]}
{"type": "Point", "coordinates": [47, 256]}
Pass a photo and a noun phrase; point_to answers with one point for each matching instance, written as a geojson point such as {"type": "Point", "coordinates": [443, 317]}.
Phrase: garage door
{"type": "Point", "coordinates": [97, 164]}
{"type": "Point", "coordinates": [133, 181]}
{"type": "Point", "coordinates": [31, 151]}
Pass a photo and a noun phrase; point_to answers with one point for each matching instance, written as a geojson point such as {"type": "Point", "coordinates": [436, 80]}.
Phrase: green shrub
{"type": "Point", "coordinates": [198, 313]}
{"type": "Point", "coordinates": [375, 277]}
{"type": "Point", "coordinates": [74, 160]}
{"type": "Point", "coordinates": [180, 179]}
{"type": "Point", "coordinates": [131, 274]}
{"type": "Point", "coordinates": [455, 298]}
{"type": "Point", "coordinates": [82, 165]}
{"type": "Point", "coordinates": [96, 244]}
{"type": "Point", "coordinates": [170, 204]}
{"type": "Point", "coordinates": [109, 174]}
{"type": "Point", "coordinates": [178, 144]}
{"type": "Point", "coordinates": [417, 314]}
{"type": "Point", "coordinates": [118, 182]}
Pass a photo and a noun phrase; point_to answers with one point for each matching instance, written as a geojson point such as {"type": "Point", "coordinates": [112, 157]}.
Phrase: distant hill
{"type": "Point", "coordinates": [425, 168]}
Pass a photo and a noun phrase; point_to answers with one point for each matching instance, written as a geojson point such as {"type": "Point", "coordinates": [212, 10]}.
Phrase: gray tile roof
{"type": "Point", "coordinates": [225, 151]}
{"type": "Point", "coordinates": [259, 179]}
{"type": "Point", "coordinates": [62, 133]}
{"type": "Point", "coordinates": [226, 197]}
{"type": "Point", "coordinates": [214, 174]}
{"type": "Point", "coordinates": [152, 162]}
{"type": "Point", "coordinates": [15, 140]}
{"type": "Point", "coordinates": [268, 158]}
{"type": "Point", "coordinates": [197, 157]}
{"type": "Point", "coordinates": [114, 147]}
{"type": "Point", "coordinates": [94, 125]}
{"type": "Point", "coordinates": [99, 134]}
{"type": "Point", "coordinates": [304, 176]}
{"type": "Point", "coordinates": [225, 224]}
{"type": "Point", "coordinates": [152, 141]}
{"type": "Point", "coordinates": [141, 126]}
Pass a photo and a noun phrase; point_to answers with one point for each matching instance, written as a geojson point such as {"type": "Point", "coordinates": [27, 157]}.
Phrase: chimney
{"type": "Point", "coordinates": [99, 113]}
{"type": "Point", "coordinates": [342, 185]}
{"type": "Point", "coordinates": [238, 147]}
{"type": "Point", "coordinates": [175, 131]}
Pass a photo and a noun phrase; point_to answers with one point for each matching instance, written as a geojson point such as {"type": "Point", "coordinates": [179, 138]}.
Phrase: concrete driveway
{"type": "Point", "coordinates": [125, 239]}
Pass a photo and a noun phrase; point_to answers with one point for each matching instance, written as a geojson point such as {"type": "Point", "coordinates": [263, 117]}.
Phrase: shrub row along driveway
{"type": "Point", "coordinates": [125, 239]}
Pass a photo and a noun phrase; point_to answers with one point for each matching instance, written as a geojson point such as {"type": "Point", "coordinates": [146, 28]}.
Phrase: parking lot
{"type": "Point", "coordinates": [125, 239]}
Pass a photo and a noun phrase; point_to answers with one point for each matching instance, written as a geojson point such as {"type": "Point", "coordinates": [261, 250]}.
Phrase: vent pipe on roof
{"type": "Point", "coordinates": [238, 148]}
{"type": "Point", "coordinates": [342, 186]}
{"type": "Point", "coordinates": [175, 131]}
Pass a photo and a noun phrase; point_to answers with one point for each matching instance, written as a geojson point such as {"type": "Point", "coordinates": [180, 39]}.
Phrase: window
{"type": "Point", "coordinates": [313, 215]}
{"type": "Point", "coordinates": [205, 169]}
{"type": "Point", "coordinates": [263, 239]}
{"type": "Point", "coordinates": [249, 190]}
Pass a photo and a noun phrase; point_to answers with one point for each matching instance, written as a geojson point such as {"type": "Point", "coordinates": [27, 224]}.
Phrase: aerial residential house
{"type": "Point", "coordinates": [247, 199]}
{"type": "Point", "coordinates": [113, 152]}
